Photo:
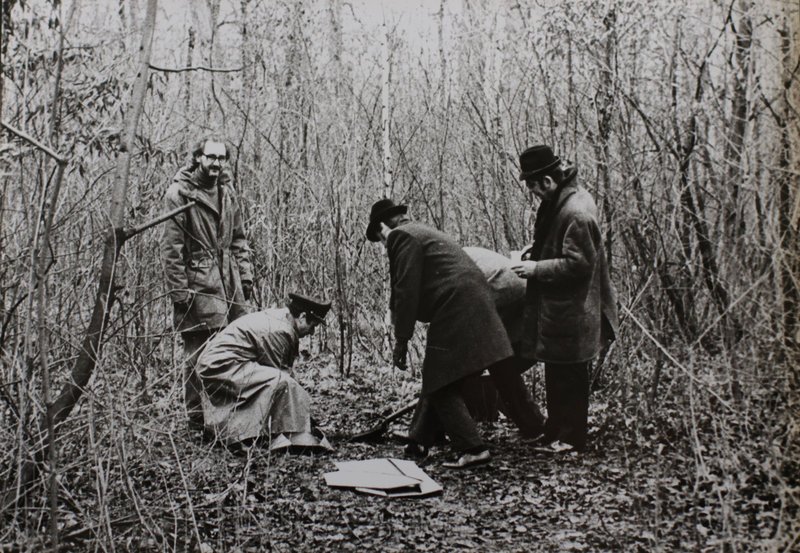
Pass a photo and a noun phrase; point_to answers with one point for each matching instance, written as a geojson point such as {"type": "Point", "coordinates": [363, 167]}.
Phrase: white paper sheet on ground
{"type": "Point", "coordinates": [372, 480]}
{"type": "Point", "coordinates": [382, 476]}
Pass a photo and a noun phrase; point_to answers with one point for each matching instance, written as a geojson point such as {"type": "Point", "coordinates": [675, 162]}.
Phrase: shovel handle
{"type": "Point", "coordinates": [376, 431]}
{"type": "Point", "coordinates": [400, 412]}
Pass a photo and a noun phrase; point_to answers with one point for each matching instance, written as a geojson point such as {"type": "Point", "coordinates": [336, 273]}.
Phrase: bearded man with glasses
{"type": "Point", "coordinates": [206, 258]}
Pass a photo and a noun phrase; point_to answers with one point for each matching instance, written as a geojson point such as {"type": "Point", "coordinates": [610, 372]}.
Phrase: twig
{"type": "Point", "coordinates": [791, 544]}
{"type": "Point", "coordinates": [675, 361]}
{"type": "Point", "coordinates": [185, 489]}
{"type": "Point", "coordinates": [61, 160]}
{"type": "Point", "coordinates": [196, 68]}
{"type": "Point", "coordinates": [731, 306]}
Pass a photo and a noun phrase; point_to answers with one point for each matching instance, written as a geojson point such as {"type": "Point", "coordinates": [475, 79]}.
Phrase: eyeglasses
{"type": "Point", "coordinates": [213, 158]}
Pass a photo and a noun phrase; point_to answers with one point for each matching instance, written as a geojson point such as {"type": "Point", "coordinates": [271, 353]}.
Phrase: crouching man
{"type": "Point", "coordinates": [245, 370]}
{"type": "Point", "coordinates": [508, 293]}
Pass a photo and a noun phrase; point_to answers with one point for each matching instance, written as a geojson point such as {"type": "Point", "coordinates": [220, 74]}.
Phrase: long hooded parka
{"type": "Point", "coordinates": [433, 280]}
{"type": "Point", "coordinates": [204, 249]}
{"type": "Point", "coordinates": [570, 304]}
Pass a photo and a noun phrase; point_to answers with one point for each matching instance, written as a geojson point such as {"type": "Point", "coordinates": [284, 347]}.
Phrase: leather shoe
{"type": "Point", "coordinates": [416, 451]}
{"type": "Point", "coordinates": [470, 460]}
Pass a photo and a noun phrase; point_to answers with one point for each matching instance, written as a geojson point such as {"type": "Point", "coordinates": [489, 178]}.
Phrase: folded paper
{"type": "Point", "coordinates": [383, 477]}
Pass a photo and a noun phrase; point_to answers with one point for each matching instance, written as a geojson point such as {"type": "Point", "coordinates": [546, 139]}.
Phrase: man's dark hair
{"type": "Point", "coordinates": [556, 173]}
{"type": "Point", "coordinates": [200, 146]}
{"type": "Point", "coordinates": [395, 220]}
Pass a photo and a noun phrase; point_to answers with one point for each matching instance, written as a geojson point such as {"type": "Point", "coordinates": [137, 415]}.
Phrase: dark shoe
{"type": "Point", "coordinates": [416, 451]}
{"type": "Point", "coordinates": [468, 460]}
{"type": "Point", "coordinates": [556, 447]}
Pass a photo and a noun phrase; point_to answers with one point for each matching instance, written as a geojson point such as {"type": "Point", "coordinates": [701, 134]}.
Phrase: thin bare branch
{"type": "Point", "coordinates": [61, 160]}
{"type": "Point", "coordinates": [196, 68]}
{"type": "Point", "coordinates": [675, 362]}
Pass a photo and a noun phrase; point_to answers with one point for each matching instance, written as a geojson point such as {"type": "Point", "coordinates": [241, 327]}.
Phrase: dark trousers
{"type": "Point", "coordinates": [517, 400]}
{"type": "Point", "coordinates": [193, 343]}
{"type": "Point", "coordinates": [567, 388]}
{"type": "Point", "coordinates": [445, 411]}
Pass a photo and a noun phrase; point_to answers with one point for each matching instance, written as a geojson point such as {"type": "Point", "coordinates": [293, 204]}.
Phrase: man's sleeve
{"type": "Point", "coordinates": [280, 350]}
{"type": "Point", "coordinates": [406, 262]}
{"type": "Point", "coordinates": [579, 254]}
{"type": "Point", "coordinates": [172, 243]}
{"type": "Point", "coordinates": [240, 247]}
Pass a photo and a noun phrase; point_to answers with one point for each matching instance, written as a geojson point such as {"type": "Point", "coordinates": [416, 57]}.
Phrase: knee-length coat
{"type": "Point", "coordinates": [205, 250]}
{"type": "Point", "coordinates": [248, 389]}
{"type": "Point", "coordinates": [433, 280]}
{"type": "Point", "coordinates": [570, 303]}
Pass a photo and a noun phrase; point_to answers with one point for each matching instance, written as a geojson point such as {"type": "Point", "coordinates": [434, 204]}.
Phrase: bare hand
{"type": "Point", "coordinates": [524, 269]}
{"type": "Point", "coordinates": [527, 253]}
{"type": "Point", "coordinates": [399, 355]}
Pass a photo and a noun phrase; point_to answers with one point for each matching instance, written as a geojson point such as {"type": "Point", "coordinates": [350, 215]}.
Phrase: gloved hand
{"type": "Point", "coordinates": [247, 289]}
{"type": "Point", "coordinates": [399, 354]}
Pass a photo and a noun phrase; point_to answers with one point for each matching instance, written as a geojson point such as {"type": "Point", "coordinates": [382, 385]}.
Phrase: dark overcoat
{"type": "Point", "coordinates": [205, 250]}
{"type": "Point", "coordinates": [434, 281]}
{"type": "Point", "coordinates": [570, 303]}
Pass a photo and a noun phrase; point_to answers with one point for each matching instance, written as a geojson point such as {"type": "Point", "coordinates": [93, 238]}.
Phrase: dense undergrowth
{"type": "Point", "coordinates": [670, 472]}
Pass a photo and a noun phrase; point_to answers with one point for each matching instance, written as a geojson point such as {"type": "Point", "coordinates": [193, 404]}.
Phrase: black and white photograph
{"type": "Point", "coordinates": [400, 275]}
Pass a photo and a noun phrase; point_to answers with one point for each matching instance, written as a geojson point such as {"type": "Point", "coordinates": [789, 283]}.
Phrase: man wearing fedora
{"type": "Point", "coordinates": [248, 390]}
{"type": "Point", "coordinates": [433, 280]}
{"type": "Point", "coordinates": [570, 306]}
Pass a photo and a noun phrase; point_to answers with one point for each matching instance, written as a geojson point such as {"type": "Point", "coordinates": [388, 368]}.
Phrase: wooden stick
{"type": "Point", "coordinates": [196, 68]}
{"type": "Point", "coordinates": [26, 137]}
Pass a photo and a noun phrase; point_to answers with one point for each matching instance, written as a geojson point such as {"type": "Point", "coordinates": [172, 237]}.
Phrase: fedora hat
{"type": "Point", "coordinates": [536, 161]}
{"type": "Point", "coordinates": [315, 309]}
{"type": "Point", "coordinates": [382, 210]}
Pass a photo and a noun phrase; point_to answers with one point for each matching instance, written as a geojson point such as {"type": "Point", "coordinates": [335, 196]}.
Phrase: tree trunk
{"type": "Point", "coordinates": [787, 204]}
{"type": "Point", "coordinates": [386, 114]}
{"type": "Point", "coordinates": [187, 86]}
{"type": "Point", "coordinates": [605, 118]}
{"type": "Point", "coordinates": [734, 148]}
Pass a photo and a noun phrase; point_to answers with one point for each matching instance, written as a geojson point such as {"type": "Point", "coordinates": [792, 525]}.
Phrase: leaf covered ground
{"type": "Point", "coordinates": [134, 479]}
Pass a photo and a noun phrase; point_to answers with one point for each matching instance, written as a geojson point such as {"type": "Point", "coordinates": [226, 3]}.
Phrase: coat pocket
{"type": "Point", "coordinates": [559, 316]}
{"type": "Point", "coordinates": [205, 279]}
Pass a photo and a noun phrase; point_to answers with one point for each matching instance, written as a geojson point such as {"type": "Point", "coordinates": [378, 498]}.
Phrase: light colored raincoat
{"type": "Point", "coordinates": [248, 389]}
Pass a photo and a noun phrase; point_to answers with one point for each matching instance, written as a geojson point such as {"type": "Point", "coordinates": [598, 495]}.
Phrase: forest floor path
{"type": "Point", "coordinates": [635, 489]}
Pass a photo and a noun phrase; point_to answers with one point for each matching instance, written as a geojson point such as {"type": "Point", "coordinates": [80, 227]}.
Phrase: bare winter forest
{"type": "Point", "coordinates": [682, 117]}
